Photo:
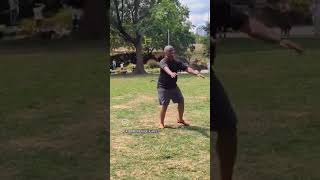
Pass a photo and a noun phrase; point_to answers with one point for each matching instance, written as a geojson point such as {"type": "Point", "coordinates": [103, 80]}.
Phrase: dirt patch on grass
{"type": "Point", "coordinates": [26, 143]}
{"type": "Point", "coordinates": [121, 142]}
{"type": "Point", "coordinates": [198, 97]}
{"type": "Point", "coordinates": [86, 132]}
{"type": "Point", "coordinates": [7, 173]}
{"type": "Point", "coordinates": [121, 107]}
{"type": "Point", "coordinates": [75, 136]}
{"type": "Point", "coordinates": [295, 114]}
{"type": "Point", "coordinates": [185, 164]}
{"type": "Point", "coordinates": [260, 122]}
{"type": "Point", "coordinates": [133, 103]}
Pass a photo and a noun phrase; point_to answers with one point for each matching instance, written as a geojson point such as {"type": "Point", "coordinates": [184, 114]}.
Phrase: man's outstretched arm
{"type": "Point", "coordinates": [168, 71]}
{"type": "Point", "coordinates": [194, 72]}
{"type": "Point", "coordinates": [258, 30]}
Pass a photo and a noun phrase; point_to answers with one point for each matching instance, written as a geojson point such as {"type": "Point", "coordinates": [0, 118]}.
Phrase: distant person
{"type": "Point", "coordinates": [285, 18]}
{"type": "Point", "coordinates": [14, 11]}
{"type": "Point", "coordinates": [167, 84]}
{"type": "Point", "coordinates": [315, 10]}
{"type": "Point", "coordinates": [121, 65]}
{"type": "Point", "coordinates": [76, 12]}
{"type": "Point", "coordinates": [38, 7]}
{"type": "Point", "coordinates": [114, 64]}
{"type": "Point", "coordinates": [285, 25]}
{"type": "Point", "coordinates": [222, 31]}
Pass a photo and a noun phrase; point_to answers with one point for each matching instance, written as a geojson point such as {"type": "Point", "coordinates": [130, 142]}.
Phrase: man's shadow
{"type": "Point", "coordinates": [204, 131]}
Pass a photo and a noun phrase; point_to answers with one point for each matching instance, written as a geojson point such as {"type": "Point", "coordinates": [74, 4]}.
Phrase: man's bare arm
{"type": "Point", "coordinates": [258, 30]}
{"type": "Point", "coordinates": [168, 71]}
{"type": "Point", "coordinates": [194, 72]}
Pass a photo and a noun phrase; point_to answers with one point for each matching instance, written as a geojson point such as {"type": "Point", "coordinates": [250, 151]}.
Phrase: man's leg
{"type": "Point", "coordinates": [164, 101]}
{"type": "Point", "coordinates": [163, 115]}
{"type": "Point", "coordinates": [224, 122]}
{"type": "Point", "coordinates": [227, 151]}
{"type": "Point", "coordinates": [181, 110]}
{"type": "Point", "coordinates": [177, 97]}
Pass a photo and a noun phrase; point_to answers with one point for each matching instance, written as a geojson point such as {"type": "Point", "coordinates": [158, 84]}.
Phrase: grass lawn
{"type": "Point", "coordinates": [173, 153]}
{"type": "Point", "coordinates": [52, 111]}
{"type": "Point", "coordinates": [276, 96]}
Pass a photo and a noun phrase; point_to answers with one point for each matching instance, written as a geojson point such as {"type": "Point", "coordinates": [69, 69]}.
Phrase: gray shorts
{"type": "Point", "coordinates": [165, 95]}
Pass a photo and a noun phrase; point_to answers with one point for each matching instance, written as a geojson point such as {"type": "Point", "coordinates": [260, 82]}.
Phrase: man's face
{"type": "Point", "coordinates": [170, 53]}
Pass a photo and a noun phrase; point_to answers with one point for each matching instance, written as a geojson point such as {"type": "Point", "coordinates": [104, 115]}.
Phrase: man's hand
{"type": "Point", "coordinates": [173, 75]}
{"type": "Point", "coordinates": [200, 75]}
{"type": "Point", "coordinates": [194, 72]}
{"type": "Point", "coordinates": [197, 73]}
{"type": "Point", "coordinates": [291, 45]}
{"type": "Point", "coordinates": [169, 72]}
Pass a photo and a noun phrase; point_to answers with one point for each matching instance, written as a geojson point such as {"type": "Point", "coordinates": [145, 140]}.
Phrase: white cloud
{"type": "Point", "coordinates": [199, 11]}
{"type": "Point", "coordinates": [198, 20]}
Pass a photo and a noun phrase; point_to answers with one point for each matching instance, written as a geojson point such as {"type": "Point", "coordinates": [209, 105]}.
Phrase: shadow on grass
{"type": "Point", "coordinates": [201, 130]}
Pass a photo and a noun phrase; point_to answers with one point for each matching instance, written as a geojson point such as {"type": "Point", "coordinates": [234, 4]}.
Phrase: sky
{"type": "Point", "coordinates": [199, 11]}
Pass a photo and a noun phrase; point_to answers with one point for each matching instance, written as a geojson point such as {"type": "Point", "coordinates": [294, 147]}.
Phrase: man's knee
{"type": "Point", "coordinates": [181, 101]}
{"type": "Point", "coordinates": [165, 107]}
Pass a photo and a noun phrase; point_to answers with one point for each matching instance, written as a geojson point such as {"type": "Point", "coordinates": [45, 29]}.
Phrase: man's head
{"type": "Point", "coordinates": [169, 52]}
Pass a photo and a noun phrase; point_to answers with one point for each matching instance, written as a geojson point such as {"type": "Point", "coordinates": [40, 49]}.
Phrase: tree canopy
{"type": "Point", "coordinates": [133, 20]}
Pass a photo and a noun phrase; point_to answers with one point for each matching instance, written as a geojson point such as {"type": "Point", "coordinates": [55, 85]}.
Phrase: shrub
{"type": "Point", "coordinates": [61, 19]}
{"type": "Point", "coordinates": [199, 64]}
{"type": "Point", "coordinates": [152, 64]}
{"type": "Point", "coordinates": [153, 71]}
{"type": "Point", "coordinates": [130, 67]}
{"type": "Point", "coordinates": [27, 25]}
{"type": "Point", "coordinates": [146, 67]}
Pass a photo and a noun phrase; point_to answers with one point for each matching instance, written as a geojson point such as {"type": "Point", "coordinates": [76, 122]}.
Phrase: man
{"type": "Point", "coordinates": [315, 9]}
{"type": "Point", "coordinates": [167, 84]}
{"type": "Point", "coordinates": [76, 12]}
{"type": "Point", "coordinates": [114, 65]}
{"type": "Point", "coordinates": [121, 65]}
{"type": "Point", "coordinates": [223, 118]}
{"type": "Point", "coordinates": [14, 11]}
{"type": "Point", "coordinates": [38, 7]}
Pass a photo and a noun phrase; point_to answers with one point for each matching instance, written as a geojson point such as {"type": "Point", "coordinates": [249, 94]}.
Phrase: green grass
{"type": "Point", "coordinates": [173, 153]}
{"type": "Point", "coordinates": [52, 111]}
{"type": "Point", "coordinates": [276, 96]}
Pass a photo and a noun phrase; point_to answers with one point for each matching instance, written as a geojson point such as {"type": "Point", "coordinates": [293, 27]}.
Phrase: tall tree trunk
{"type": "Point", "coordinates": [139, 54]}
{"type": "Point", "coordinates": [94, 22]}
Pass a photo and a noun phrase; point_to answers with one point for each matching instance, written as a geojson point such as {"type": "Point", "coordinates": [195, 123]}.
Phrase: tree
{"type": "Point", "coordinates": [134, 19]}
{"type": "Point", "coordinates": [206, 40]}
{"type": "Point", "coordinates": [127, 19]}
{"type": "Point", "coordinates": [170, 16]}
{"type": "Point", "coordinates": [115, 40]}
{"type": "Point", "coordinates": [301, 6]}
{"type": "Point", "coordinates": [94, 23]}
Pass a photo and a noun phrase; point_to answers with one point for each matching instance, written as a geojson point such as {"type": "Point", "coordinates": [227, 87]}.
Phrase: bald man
{"type": "Point", "coordinates": [167, 84]}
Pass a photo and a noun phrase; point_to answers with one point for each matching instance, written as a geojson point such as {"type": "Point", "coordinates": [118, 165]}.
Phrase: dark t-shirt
{"type": "Point", "coordinates": [225, 15]}
{"type": "Point", "coordinates": [165, 81]}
